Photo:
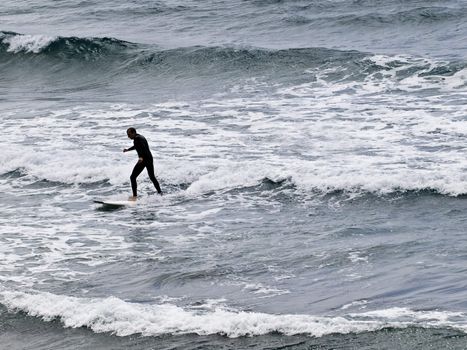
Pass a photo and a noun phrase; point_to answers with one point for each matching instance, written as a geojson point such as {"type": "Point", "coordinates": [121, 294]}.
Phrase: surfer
{"type": "Point", "coordinates": [145, 160]}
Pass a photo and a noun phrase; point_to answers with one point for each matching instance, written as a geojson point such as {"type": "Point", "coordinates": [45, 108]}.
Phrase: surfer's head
{"type": "Point", "coordinates": [131, 132]}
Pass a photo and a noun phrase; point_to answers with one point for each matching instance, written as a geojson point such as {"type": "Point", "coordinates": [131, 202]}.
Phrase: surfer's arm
{"type": "Point", "coordinates": [136, 146]}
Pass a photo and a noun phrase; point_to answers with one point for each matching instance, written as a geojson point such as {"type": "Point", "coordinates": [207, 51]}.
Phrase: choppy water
{"type": "Point", "coordinates": [312, 156]}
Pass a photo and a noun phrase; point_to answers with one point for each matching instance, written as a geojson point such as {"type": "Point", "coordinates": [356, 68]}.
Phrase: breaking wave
{"type": "Point", "coordinates": [126, 57]}
{"type": "Point", "coordinates": [123, 318]}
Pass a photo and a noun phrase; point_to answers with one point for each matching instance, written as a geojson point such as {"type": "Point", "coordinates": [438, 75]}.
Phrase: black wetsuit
{"type": "Point", "coordinates": [142, 148]}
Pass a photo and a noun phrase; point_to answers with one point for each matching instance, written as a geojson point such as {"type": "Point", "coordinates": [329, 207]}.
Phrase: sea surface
{"type": "Point", "coordinates": [312, 154]}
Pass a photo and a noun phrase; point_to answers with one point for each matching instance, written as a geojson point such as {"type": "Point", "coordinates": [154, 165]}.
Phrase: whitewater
{"type": "Point", "coordinates": [314, 175]}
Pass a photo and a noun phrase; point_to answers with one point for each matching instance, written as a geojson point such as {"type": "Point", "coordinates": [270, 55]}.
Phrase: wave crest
{"type": "Point", "coordinates": [122, 318]}
{"type": "Point", "coordinates": [16, 43]}
{"type": "Point", "coordinates": [61, 46]}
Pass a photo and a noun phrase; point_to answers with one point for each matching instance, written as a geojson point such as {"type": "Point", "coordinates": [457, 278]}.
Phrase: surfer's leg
{"type": "Point", "coordinates": [136, 171]}
{"type": "Point", "coordinates": [150, 169]}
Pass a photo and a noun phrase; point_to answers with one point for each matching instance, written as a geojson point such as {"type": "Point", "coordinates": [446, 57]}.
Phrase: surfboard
{"type": "Point", "coordinates": [116, 203]}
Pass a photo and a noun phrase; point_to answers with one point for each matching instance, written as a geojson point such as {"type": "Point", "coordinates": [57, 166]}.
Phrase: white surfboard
{"type": "Point", "coordinates": [116, 203]}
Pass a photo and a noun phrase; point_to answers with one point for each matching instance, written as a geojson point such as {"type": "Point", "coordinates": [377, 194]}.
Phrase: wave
{"type": "Point", "coordinates": [123, 318]}
{"type": "Point", "coordinates": [62, 54]}
{"type": "Point", "coordinates": [255, 179]}
{"type": "Point", "coordinates": [108, 69]}
{"type": "Point", "coordinates": [320, 183]}
{"type": "Point", "coordinates": [140, 54]}
{"type": "Point", "coordinates": [15, 43]}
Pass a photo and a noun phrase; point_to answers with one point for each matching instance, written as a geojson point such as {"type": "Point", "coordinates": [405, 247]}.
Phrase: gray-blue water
{"type": "Point", "coordinates": [312, 156]}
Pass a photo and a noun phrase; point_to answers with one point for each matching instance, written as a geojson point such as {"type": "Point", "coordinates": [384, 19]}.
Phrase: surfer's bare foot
{"type": "Point", "coordinates": [132, 198]}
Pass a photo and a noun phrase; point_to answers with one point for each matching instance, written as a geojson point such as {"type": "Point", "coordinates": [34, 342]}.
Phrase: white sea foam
{"type": "Point", "coordinates": [27, 43]}
{"type": "Point", "coordinates": [356, 257]}
{"type": "Point", "coordinates": [379, 153]}
{"type": "Point", "coordinates": [319, 135]}
{"type": "Point", "coordinates": [427, 319]}
{"type": "Point", "coordinates": [123, 318]}
{"type": "Point", "coordinates": [262, 290]}
{"type": "Point", "coordinates": [359, 303]}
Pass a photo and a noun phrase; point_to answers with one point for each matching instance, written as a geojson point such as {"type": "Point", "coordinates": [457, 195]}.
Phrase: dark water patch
{"type": "Point", "coordinates": [108, 207]}
{"type": "Point", "coordinates": [105, 207]}
{"type": "Point", "coordinates": [14, 174]}
{"type": "Point", "coordinates": [32, 182]}
{"type": "Point", "coordinates": [406, 69]}
{"type": "Point", "coordinates": [105, 183]}
{"type": "Point", "coordinates": [398, 193]}
{"type": "Point", "coordinates": [275, 191]}
{"type": "Point", "coordinates": [444, 70]}
{"type": "Point", "coordinates": [46, 184]}
{"type": "Point", "coordinates": [177, 187]}
{"type": "Point", "coordinates": [424, 192]}
{"type": "Point", "coordinates": [266, 184]}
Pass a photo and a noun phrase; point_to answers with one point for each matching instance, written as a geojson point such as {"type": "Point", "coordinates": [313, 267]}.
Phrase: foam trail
{"type": "Point", "coordinates": [125, 318]}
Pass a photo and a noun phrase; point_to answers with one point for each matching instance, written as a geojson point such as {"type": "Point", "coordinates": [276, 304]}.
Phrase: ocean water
{"type": "Point", "coordinates": [312, 156]}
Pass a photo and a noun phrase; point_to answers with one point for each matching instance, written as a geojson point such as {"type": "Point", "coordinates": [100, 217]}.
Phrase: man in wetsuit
{"type": "Point", "coordinates": [145, 161]}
